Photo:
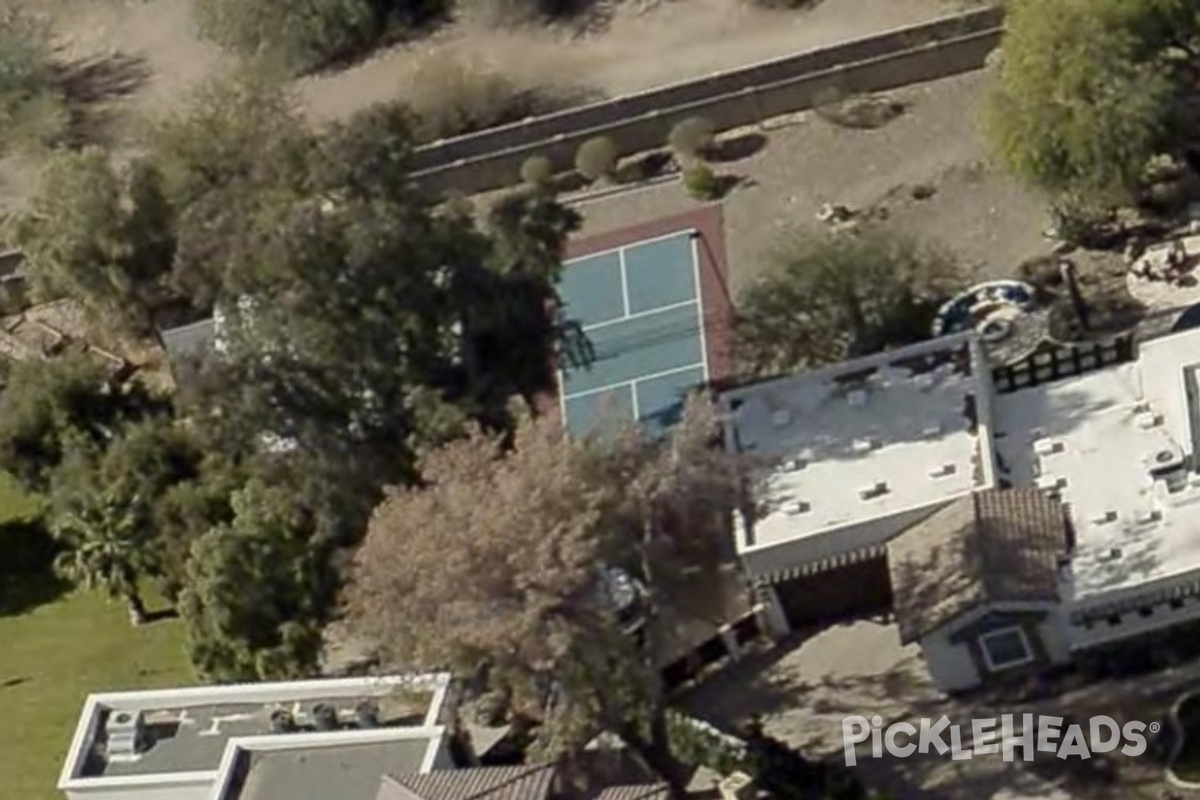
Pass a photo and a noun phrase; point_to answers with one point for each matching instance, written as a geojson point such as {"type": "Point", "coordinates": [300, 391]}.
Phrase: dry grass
{"type": "Point", "coordinates": [453, 95]}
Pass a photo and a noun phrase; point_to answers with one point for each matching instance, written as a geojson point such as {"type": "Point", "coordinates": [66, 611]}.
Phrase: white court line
{"type": "Point", "coordinates": [631, 382]}
{"type": "Point", "coordinates": [697, 300]}
{"type": "Point", "coordinates": [639, 314]}
{"type": "Point", "coordinates": [700, 306]}
{"type": "Point", "coordinates": [624, 284]}
{"type": "Point", "coordinates": [631, 245]}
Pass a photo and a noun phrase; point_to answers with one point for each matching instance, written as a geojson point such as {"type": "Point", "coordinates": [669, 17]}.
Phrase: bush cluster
{"type": "Point", "coordinates": [303, 35]}
{"type": "Point", "coordinates": [33, 107]}
{"type": "Point", "coordinates": [692, 137]}
{"type": "Point", "coordinates": [597, 158]}
{"type": "Point", "coordinates": [701, 182]}
{"type": "Point", "coordinates": [452, 97]}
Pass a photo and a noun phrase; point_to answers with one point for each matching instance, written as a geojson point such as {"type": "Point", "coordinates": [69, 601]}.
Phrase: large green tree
{"type": "Point", "coordinates": [104, 546]}
{"type": "Point", "coordinates": [500, 564]}
{"type": "Point", "coordinates": [828, 296]}
{"type": "Point", "coordinates": [1091, 90]}
{"type": "Point", "coordinates": [98, 234]}
{"type": "Point", "coordinates": [361, 321]}
{"type": "Point", "coordinates": [256, 588]}
{"type": "Point", "coordinates": [51, 409]}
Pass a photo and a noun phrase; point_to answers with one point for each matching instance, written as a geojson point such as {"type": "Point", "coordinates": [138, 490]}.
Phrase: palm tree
{"type": "Point", "coordinates": [105, 548]}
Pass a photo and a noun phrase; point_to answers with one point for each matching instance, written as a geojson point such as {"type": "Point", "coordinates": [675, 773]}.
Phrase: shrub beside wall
{"type": "Point", "coordinates": [597, 158]}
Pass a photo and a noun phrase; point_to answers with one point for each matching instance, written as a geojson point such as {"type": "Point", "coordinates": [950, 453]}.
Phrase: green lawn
{"type": "Point", "coordinates": [14, 503]}
{"type": "Point", "coordinates": [51, 658]}
{"type": "Point", "coordinates": [53, 654]}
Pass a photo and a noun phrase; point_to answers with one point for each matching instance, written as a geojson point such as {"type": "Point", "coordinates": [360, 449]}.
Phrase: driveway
{"type": "Point", "coordinates": [803, 688]}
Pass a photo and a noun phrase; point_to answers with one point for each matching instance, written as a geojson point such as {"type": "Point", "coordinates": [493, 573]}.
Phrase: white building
{"type": "Point", "coordinates": [1006, 530]}
{"type": "Point", "coordinates": [247, 742]}
{"type": "Point", "coordinates": [859, 452]}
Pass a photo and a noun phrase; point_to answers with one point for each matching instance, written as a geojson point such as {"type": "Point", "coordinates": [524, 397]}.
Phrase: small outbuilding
{"type": "Point", "coordinates": [977, 585]}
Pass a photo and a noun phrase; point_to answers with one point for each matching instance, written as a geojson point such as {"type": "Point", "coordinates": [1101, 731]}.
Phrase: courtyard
{"type": "Point", "coordinates": [803, 688]}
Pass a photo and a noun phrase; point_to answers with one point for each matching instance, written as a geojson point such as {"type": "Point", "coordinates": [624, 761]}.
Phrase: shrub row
{"type": "Point", "coordinates": [598, 158]}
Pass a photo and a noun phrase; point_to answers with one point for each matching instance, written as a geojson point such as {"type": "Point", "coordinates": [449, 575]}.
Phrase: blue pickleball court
{"type": "Point", "coordinates": [639, 306]}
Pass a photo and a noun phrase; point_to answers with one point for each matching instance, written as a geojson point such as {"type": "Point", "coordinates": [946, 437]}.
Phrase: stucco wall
{"type": "Point", "coordinates": [764, 559]}
{"type": "Point", "coordinates": [199, 790]}
{"type": "Point", "coordinates": [492, 158]}
{"type": "Point", "coordinates": [1133, 623]}
{"type": "Point", "coordinates": [950, 665]}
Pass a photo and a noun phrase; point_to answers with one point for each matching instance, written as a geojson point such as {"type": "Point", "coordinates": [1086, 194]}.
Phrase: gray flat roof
{"type": "Point", "coordinates": [192, 340]}
{"type": "Point", "coordinates": [193, 738]}
{"type": "Point", "coordinates": [344, 772]}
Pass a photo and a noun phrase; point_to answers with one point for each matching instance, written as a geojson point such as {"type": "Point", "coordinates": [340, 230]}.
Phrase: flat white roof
{"type": "Point", "coordinates": [1117, 446]}
{"type": "Point", "coordinates": [185, 731]}
{"type": "Point", "coordinates": [864, 439]}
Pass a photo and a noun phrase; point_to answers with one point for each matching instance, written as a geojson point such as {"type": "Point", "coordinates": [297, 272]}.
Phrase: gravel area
{"type": "Point", "coordinates": [989, 222]}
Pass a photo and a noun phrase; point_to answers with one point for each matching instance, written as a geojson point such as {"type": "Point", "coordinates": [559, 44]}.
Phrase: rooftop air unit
{"type": "Point", "coordinates": [1147, 420]}
{"type": "Point", "coordinates": [1046, 447]}
{"type": "Point", "coordinates": [1051, 483]}
{"type": "Point", "coordinates": [366, 714]}
{"type": "Point", "coordinates": [324, 717]}
{"type": "Point", "coordinates": [282, 721]}
{"type": "Point", "coordinates": [878, 490]}
{"type": "Point", "coordinates": [857, 398]}
{"type": "Point", "coordinates": [781, 418]}
{"type": "Point", "coordinates": [944, 471]}
{"type": "Point", "coordinates": [799, 507]}
{"type": "Point", "coordinates": [1147, 517]}
{"type": "Point", "coordinates": [125, 735]}
{"type": "Point", "coordinates": [863, 445]}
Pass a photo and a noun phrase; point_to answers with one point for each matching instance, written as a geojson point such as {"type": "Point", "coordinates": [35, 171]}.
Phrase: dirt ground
{"type": "Point", "coordinates": [804, 688]}
{"type": "Point", "coordinates": [985, 219]}
{"type": "Point", "coordinates": [630, 45]}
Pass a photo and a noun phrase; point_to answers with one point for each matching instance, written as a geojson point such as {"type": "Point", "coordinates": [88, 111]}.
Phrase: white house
{"type": "Point", "coordinates": [219, 742]}
{"type": "Point", "coordinates": [1005, 530]}
{"type": "Point", "coordinates": [858, 452]}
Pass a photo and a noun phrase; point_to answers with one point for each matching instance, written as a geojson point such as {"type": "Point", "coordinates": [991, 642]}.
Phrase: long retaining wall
{"type": "Point", "coordinates": [492, 158]}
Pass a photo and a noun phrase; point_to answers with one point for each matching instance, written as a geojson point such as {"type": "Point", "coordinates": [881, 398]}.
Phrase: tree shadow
{"type": "Point", "coordinates": [170, 612]}
{"type": "Point", "coordinates": [736, 148]}
{"type": "Point", "coordinates": [27, 578]}
{"type": "Point", "coordinates": [89, 85]}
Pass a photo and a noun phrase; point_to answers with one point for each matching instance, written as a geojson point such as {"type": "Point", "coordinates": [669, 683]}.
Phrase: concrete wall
{"type": "Point", "coordinates": [199, 789]}
{"type": "Point", "coordinates": [492, 158]}
{"type": "Point", "coordinates": [949, 664]}
{"type": "Point", "coordinates": [1134, 623]}
{"type": "Point", "coordinates": [764, 560]}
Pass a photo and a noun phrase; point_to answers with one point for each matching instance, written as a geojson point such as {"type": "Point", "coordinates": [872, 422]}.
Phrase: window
{"type": "Point", "coordinates": [1005, 648]}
